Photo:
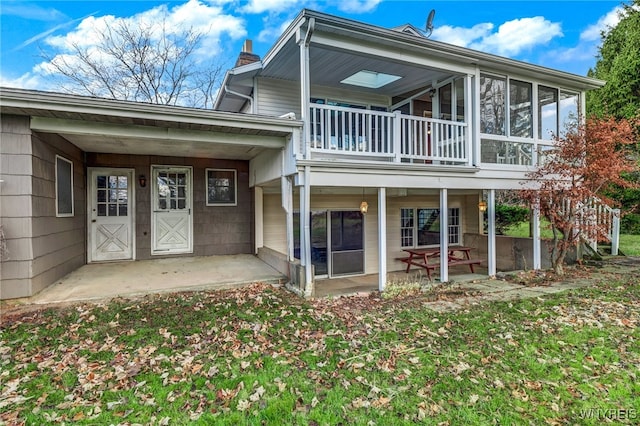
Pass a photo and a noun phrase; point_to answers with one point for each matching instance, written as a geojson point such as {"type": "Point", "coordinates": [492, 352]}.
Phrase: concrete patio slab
{"type": "Point", "coordinates": [108, 280]}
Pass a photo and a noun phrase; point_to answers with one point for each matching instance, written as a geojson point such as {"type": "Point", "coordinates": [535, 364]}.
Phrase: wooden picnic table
{"type": "Point", "coordinates": [457, 255]}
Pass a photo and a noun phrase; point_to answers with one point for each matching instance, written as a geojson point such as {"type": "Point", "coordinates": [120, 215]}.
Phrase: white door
{"type": "Point", "coordinates": [110, 215]}
{"type": "Point", "coordinates": [171, 222]}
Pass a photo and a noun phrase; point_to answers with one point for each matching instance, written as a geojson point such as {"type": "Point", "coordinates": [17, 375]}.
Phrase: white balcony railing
{"type": "Point", "coordinates": [400, 138]}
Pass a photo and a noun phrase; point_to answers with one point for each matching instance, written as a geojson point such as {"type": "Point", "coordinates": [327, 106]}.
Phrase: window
{"type": "Point", "coordinates": [64, 187]}
{"type": "Point", "coordinates": [112, 195]}
{"type": "Point", "coordinates": [547, 113]}
{"type": "Point", "coordinates": [221, 187]}
{"type": "Point", "coordinates": [520, 109]}
{"type": "Point", "coordinates": [421, 227]}
{"type": "Point", "coordinates": [569, 104]}
{"type": "Point", "coordinates": [493, 105]}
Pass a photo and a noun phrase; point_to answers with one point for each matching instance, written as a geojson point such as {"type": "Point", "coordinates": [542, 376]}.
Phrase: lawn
{"type": "Point", "coordinates": [259, 355]}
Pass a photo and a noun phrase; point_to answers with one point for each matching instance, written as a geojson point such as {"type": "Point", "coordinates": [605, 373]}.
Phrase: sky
{"type": "Point", "coordinates": [563, 35]}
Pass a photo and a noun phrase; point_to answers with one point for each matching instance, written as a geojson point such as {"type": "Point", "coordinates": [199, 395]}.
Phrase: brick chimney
{"type": "Point", "coordinates": [247, 56]}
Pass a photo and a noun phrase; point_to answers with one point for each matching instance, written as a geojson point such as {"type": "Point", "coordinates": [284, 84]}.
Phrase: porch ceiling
{"type": "Point", "coordinates": [330, 65]}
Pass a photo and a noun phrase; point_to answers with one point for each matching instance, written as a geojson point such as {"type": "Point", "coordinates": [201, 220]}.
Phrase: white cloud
{"type": "Point", "coordinates": [514, 37]}
{"type": "Point", "coordinates": [462, 36]}
{"type": "Point", "coordinates": [358, 6]}
{"type": "Point", "coordinates": [610, 20]}
{"type": "Point", "coordinates": [511, 38]}
{"type": "Point", "coordinates": [31, 11]}
{"type": "Point", "coordinates": [207, 19]}
{"type": "Point", "coordinates": [260, 6]}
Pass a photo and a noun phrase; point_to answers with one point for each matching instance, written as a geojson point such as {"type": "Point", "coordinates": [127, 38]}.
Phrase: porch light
{"type": "Point", "coordinates": [142, 180]}
{"type": "Point", "coordinates": [364, 206]}
{"type": "Point", "coordinates": [370, 79]}
{"type": "Point", "coordinates": [482, 206]}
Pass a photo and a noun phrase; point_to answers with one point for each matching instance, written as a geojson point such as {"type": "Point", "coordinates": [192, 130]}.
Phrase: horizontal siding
{"type": "Point", "coordinates": [278, 97]}
{"type": "Point", "coordinates": [275, 228]}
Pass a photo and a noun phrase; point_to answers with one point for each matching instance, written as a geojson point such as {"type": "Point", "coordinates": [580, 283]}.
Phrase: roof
{"type": "Point", "coordinates": [339, 42]}
{"type": "Point", "coordinates": [105, 125]}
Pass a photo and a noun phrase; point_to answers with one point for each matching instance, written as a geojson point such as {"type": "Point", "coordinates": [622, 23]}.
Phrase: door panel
{"type": "Point", "coordinates": [171, 218]}
{"type": "Point", "coordinates": [347, 243]}
{"type": "Point", "coordinates": [110, 214]}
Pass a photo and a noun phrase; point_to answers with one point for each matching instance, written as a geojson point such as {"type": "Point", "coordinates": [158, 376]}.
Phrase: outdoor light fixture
{"type": "Point", "coordinates": [364, 206]}
{"type": "Point", "coordinates": [142, 180]}
{"type": "Point", "coordinates": [482, 206]}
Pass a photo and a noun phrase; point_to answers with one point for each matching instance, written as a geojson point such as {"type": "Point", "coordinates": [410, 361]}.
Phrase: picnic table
{"type": "Point", "coordinates": [457, 255]}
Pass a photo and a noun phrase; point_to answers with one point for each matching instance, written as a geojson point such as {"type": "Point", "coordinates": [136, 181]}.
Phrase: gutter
{"type": "Point", "coordinates": [241, 95]}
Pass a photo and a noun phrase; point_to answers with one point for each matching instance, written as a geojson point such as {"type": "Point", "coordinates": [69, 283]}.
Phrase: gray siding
{"type": "Point", "coordinates": [41, 247]}
{"type": "Point", "coordinates": [278, 97]}
{"type": "Point", "coordinates": [217, 230]}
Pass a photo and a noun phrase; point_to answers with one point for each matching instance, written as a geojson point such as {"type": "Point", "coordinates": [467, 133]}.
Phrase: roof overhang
{"type": "Point", "coordinates": [103, 125]}
{"type": "Point", "coordinates": [341, 47]}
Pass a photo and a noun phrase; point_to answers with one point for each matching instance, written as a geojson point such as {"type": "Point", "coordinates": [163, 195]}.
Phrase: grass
{"type": "Point", "coordinates": [630, 244]}
{"type": "Point", "coordinates": [259, 355]}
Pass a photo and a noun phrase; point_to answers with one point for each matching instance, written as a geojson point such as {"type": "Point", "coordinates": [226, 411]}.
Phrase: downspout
{"type": "Point", "coordinates": [241, 95]}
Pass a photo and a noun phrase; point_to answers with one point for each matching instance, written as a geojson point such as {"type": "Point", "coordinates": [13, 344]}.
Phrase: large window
{"type": "Point", "coordinates": [547, 113]}
{"type": "Point", "coordinates": [493, 105]}
{"type": "Point", "coordinates": [569, 104]}
{"type": "Point", "coordinates": [64, 187]}
{"type": "Point", "coordinates": [221, 187]}
{"type": "Point", "coordinates": [520, 109]}
{"type": "Point", "coordinates": [421, 227]}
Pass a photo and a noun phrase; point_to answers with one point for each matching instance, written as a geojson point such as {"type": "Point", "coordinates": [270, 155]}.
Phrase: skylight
{"type": "Point", "coordinates": [370, 79]}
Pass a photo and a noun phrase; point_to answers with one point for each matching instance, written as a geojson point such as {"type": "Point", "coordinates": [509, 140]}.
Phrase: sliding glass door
{"type": "Point", "coordinates": [337, 242]}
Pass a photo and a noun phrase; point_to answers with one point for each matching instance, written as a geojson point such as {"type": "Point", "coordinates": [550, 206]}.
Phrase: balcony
{"type": "Point", "coordinates": [360, 134]}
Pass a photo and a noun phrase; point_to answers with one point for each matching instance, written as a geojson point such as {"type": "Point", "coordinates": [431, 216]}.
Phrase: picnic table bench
{"type": "Point", "coordinates": [420, 257]}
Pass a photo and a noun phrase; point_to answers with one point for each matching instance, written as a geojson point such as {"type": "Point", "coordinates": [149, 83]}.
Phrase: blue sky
{"type": "Point", "coordinates": [558, 34]}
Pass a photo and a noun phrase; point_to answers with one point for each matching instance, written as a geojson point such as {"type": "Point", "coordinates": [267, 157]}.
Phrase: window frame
{"type": "Point", "coordinates": [58, 183]}
{"type": "Point", "coordinates": [235, 188]}
{"type": "Point", "coordinates": [414, 235]}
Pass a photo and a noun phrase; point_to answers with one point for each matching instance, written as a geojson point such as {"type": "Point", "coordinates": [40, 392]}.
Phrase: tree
{"type": "Point", "coordinates": [618, 63]}
{"type": "Point", "coordinates": [140, 62]}
{"type": "Point", "coordinates": [585, 162]}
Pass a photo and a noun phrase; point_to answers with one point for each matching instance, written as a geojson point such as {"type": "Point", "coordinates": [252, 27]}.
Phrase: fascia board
{"type": "Point", "coordinates": [78, 127]}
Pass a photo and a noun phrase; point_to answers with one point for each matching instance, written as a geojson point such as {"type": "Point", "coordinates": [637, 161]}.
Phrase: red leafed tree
{"type": "Point", "coordinates": [588, 159]}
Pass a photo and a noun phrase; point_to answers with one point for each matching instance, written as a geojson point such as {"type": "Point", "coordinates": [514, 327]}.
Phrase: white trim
{"type": "Point", "coordinates": [491, 237]}
{"type": "Point", "coordinates": [235, 187]}
{"type": "Point", "coordinates": [444, 236]}
{"type": "Point", "coordinates": [535, 225]}
{"type": "Point", "coordinates": [72, 213]}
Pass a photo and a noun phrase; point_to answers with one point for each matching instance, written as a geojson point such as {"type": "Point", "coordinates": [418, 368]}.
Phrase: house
{"type": "Point", "coordinates": [346, 144]}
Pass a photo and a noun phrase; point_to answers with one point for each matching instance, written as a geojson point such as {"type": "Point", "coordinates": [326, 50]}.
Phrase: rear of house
{"type": "Point", "coordinates": [417, 131]}
{"type": "Point", "coordinates": [346, 145]}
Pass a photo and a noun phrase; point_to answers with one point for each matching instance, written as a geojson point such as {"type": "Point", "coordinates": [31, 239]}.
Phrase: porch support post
{"type": "Point", "coordinates": [535, 234]}
{"type": "Point", "coordinates": [444, 236]}
{"type": "Point", "coordinates": [491, 225]}
{"type": "Point", "coordinates": [475, 124]}
{"type": "Point", "coordinates": [287, 205]}
{"type": "Point", "coordinates": [382, 238]}
{"type": "Point", "coordinates": [468, 96]}
{"type": "Point", "coordinates": [306, 250]}
{"type": "Point", "coordinates": [258, 217]}
{"type": "Point", "coordinates": [305, 90]}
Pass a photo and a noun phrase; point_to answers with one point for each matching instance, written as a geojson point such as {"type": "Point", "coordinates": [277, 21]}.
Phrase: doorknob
{"type": "Point", "coordinates": [93, 221]}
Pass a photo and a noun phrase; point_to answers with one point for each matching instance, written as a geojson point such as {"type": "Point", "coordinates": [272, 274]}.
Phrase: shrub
{"type": "Point", "coordinates": [630, 224]}
{"type": "Point", "coordinates": [507, 215]}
